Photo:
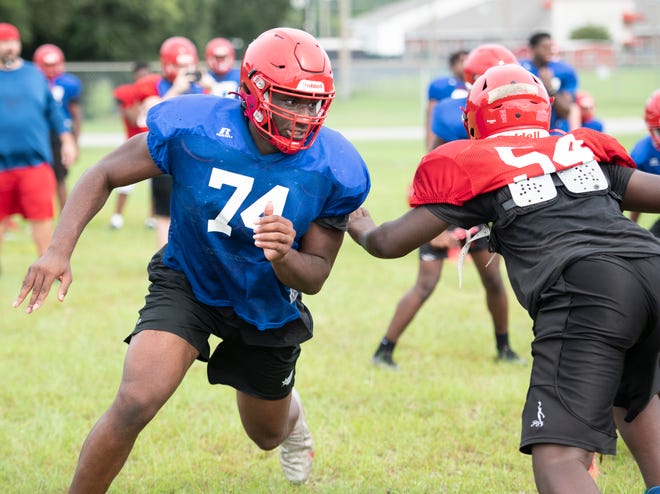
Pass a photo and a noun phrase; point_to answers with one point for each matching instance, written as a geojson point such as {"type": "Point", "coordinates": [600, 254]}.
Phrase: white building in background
{"type": "Point", "coordinates": [439, 26]}
{"type": "Point", "coordinates": [384, 31]}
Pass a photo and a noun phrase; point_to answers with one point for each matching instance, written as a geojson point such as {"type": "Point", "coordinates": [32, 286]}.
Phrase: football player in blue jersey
{"type": "Point", "coordinates": [221, 78]}
{"type": "Point", "coordinates": [646, 151]}
{"type": "Point", "coordinates": [260, 203]}
{"type": "Point", "coordinates": [447, 126]}
{"type": "Point", "coordinates": [559, 78]}
{"type": "Point", "coordinates": [587, 105]}
{"type": "Point", "coordinates": [67, 91]}
{"type": "Point", "coordinates": [451, 86]}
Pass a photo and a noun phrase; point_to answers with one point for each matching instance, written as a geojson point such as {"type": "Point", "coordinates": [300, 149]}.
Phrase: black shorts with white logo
{"type": "Point", "coordinates": [596, 345]}
{"type": "Point", "coordinates": [259, 363]}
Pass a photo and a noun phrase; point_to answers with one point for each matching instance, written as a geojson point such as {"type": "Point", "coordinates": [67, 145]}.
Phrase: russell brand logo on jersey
{"type": "Point", "coordinates": [225, 132]}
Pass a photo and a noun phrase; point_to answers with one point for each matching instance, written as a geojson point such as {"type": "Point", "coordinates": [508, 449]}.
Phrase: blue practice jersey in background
{"type": "Point", "coordinates": [447, 119]}
{"type": "Point", "coordinates": [646, 156]}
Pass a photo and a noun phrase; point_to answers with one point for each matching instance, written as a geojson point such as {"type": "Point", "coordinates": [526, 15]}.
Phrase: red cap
{"type": "Point", "coordinates": [8, 32]}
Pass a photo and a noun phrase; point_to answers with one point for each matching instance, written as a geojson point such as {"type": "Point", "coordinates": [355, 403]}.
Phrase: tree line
{"type": "Point", "coordinates": [124, 30]}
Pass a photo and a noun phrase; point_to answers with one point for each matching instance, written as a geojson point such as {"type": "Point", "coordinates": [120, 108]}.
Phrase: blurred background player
{"type": "Point", "coordinates": [179, 75]}
{"type": "Point", "coordinates": [221, 77]}
{"type": "Point", "coordinates": [587, 105]}
{"type": "Point", "coordinates": [646, 151]}
{"type": "Point", "coordinates": [67, 91]}
{"type": "Point", "coordinates": [447, 125]}
{"type": "Point", "coordinates": [130, 107]}
{"type": "Point", "coordinates": [559, 78]}
{"type": "Point", "coordinates": [451, 86]}
{"type": "Point", "coordinates": [28, 113]}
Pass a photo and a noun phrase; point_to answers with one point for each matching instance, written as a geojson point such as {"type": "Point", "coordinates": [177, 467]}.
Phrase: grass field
{"type": "Point", "coordinates": [447, 422]}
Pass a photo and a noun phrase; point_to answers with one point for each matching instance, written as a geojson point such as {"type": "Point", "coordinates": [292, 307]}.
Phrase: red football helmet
{"type": "Point", "coordinates": [50, 60]}
{"type": "Point", "coordinates": [289, 62]}
{"type": "Point", "coordinates": [483, 57]}
{"type": "Point", "coordinates": [652, 117]}
{"type": "Point", "coordinates": [506, 98]}
{"type": "Point", "coordinates": [177, 52]}
{"type": "Point", "coordinates": [587, 105]}
{"type": "Point", "coordinates": [220, 55]}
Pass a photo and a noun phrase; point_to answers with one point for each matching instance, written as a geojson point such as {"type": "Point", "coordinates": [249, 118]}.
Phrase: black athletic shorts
{"type": "Point", "coordinates": [259, 363]}
{"type": "Point", "coordinates": [60, 170]}
{"type": "Point", "coordinates": [596, 345]}
{"type": "Point", "coordinates": [161, 192]}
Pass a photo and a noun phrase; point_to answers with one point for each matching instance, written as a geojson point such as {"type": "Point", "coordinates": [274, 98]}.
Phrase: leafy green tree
{"type": "Point", "coordinates": [591, 31]}
{"type": "Point", "coordinates": [123, 30]}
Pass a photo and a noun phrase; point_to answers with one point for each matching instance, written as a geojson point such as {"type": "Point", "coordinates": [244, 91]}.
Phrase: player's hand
{"type": "Point", "coordinates": [39, 279]}
{"type": "Point", "coordinates": [446, 240]}
{"type": "Point", "coordinates": [359, 222]}
{"type": "Point", "coordinates": [69, 151]}
{"type": "Point", "coordinates": [181, 84]}
{"type": "Point", "coordinates": [274, 234]}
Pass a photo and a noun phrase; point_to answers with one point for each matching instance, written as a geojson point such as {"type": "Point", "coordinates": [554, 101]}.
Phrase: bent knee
{"type": "Point", "coordinates": [134, 410]}
{"type": "Point", "coordinates": [267, 442]}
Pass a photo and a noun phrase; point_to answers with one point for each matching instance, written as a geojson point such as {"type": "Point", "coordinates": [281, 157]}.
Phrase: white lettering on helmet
{"type": "Point", "coordinates": [308, 86]}
{"type": "Point", "coordinates": [184, 59]}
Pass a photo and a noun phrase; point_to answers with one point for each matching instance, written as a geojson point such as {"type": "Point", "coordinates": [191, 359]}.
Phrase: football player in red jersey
{"type": "Point", "coordinates": [129, 106]}
{"type": "Point", "coordinates": [586, 274]}
{"type": "Point", "coordinates": [67, 91]}
{"type": "Point", "coordinates": [179, 75]}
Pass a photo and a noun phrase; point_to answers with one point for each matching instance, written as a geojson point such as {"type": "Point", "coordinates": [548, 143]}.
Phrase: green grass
{"type": "Point", "coordinates": [447, 422]}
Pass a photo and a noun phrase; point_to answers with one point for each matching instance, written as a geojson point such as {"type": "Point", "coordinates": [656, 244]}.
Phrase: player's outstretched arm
{"type": "Point", "coordinates": [394, 238]}
{"type": "Point", "coordinates": [642, 193]}
{"type": "Point", "coordinates": [130, 163]}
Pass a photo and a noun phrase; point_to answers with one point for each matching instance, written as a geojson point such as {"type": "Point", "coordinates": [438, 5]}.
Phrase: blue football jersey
{"type": "Point", "coordinates": [446, 87]}
{"type": "Point", "coordinates": [66, 88]}
{"type": "Point", "coordinates": [225, 85]}
{"type": "Point", "coordinates": [646, 156]}
{"type": "Point", "coordinates": [164, 86]}
{"type": "Point", "coordinates": [221, 184]}
{"type": "Point", "coordinates": [565, 80]}
{"type": "Point", "coordinates": [447, 119]}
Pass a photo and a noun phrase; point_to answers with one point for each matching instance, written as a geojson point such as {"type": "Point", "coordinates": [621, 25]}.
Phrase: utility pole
{"type": "Point", "coordinates": [345, 48]}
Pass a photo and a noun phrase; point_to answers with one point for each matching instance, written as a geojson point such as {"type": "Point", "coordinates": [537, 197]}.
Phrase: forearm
{"type": "Point", "coordinates": [394, 238]}
{"type": "Point", "coordinates": [85, 201]}
{"type": "Point", "coordinates": [303, 272]}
